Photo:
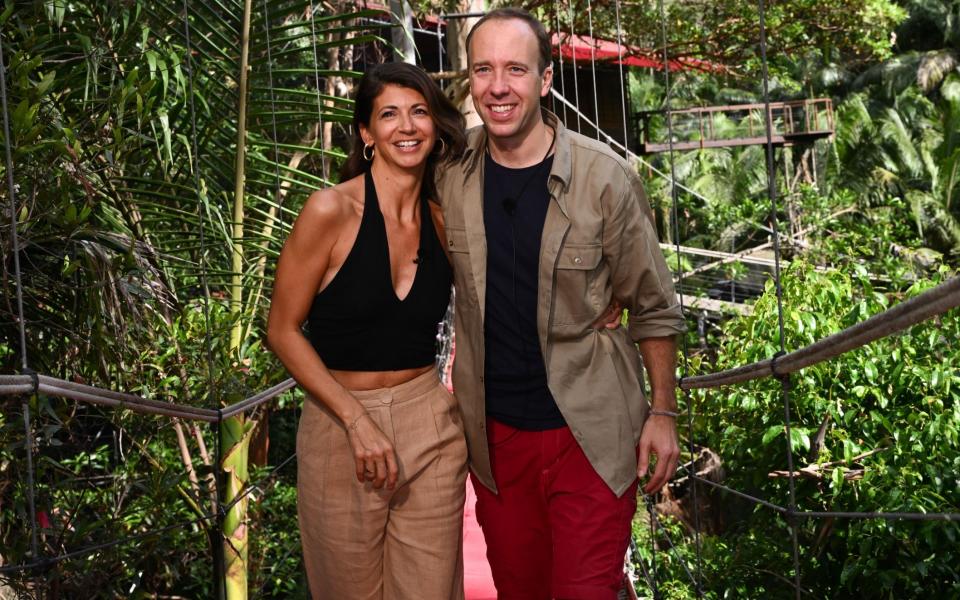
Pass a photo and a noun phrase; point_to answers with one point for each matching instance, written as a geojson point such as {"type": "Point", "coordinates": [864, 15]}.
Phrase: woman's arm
{"type": "Point", "coordinates": [303, 268]}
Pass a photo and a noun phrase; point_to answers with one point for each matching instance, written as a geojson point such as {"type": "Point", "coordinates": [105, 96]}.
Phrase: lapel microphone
{"type": "Point", "coordinates": [510, 203]}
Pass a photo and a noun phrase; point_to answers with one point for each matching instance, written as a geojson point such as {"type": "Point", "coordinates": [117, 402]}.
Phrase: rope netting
{"type": "Point", "coordinates": [894, 320]}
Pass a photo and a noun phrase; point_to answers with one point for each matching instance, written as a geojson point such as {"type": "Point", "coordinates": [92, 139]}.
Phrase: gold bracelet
{"type": "Point", "coordinates": [664, 413]}
{"type": "Point", "coordinates": [353, 426]}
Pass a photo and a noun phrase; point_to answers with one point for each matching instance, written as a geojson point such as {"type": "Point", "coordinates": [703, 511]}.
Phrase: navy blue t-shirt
{"type": "Point", "coordinates": [514, 209]}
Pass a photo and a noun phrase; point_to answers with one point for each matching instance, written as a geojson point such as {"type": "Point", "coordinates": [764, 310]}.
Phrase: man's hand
{"type": "Point", "coordinates": [659, 437]}
{"type": "Point", "coordinates": [610, 319]}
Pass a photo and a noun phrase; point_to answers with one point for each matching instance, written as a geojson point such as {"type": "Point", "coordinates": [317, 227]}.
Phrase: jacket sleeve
{"type": "Point", "coordinates": [641, 281]}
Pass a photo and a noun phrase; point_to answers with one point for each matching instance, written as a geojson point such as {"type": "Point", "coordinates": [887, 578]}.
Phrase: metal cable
{"type": "Point", "coordinates": [219, 569]}
{"type": "Point", "coordinates": [52, 386]}
{"type": "Point", "coordinates": [802, 514]}
{"type": "Point", "coordinates": [250, 487]}
{"type": "Point", "coordinates": [86, 393]}
{"type": "Point", "coordinates": [563, 91]}
{"type": "Point", "coordinates": [623, 91]}
{"type": "Point", "coordinates": [21, 318]}
{"type": "Point", "coordinates": [629, 153]}
{"type": "Point", "coordinates": [50, 561]}
{"type": "Point", "coordinates": [573, 55]}
{"type": "Point", "coordinates": [258, 399]}
{"type": "Point", "coordinates": [279, 187]}
{"type": "Point", "coordinates": [935, 301]}
{"type": "Point", "coordinates": [676, 553]}
{"type": "Point", "coordinates": [593, 66]}
{"type": "Point", "coordinates": [442, 83]}
{"type": "Point", "coordinates": [654, 588]}
{"type": "Point", "coordinates": [316, 73]}
{"type": "Point", "coordinates": [742, 495]}
{"type": "Point", "coordinates": [635, 552]}
{"type": "Point", "coordinates": [675, 217]}
{"type": "Point", "coordinates": [774, 225]}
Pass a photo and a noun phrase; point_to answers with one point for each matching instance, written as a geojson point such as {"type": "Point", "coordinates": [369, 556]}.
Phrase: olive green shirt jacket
{"type": "Point", "coordinates": [599, 242]}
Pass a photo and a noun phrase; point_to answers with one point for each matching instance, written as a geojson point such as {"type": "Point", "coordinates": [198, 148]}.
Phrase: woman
{"type": "Point", "coordinates": [380, 448]}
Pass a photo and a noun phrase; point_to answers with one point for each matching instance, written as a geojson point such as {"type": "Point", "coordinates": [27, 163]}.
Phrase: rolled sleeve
{"type": "Point", "coordinates": [641, 280]}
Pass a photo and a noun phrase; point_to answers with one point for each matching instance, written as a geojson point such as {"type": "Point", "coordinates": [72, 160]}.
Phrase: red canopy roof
{"type": "Point", "coordinates": [585, 48]}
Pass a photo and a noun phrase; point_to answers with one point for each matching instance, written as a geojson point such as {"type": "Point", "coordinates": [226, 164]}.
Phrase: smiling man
{"type": "Point", "coordinates": [546, 228]}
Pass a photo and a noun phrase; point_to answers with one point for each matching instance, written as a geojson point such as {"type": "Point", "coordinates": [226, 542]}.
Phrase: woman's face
{"type": "Point", "coordinates": [401, 128]}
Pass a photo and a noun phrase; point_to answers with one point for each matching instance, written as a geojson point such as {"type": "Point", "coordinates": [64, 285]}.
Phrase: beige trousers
{"type": "Point", "coordinates": [360, 543]}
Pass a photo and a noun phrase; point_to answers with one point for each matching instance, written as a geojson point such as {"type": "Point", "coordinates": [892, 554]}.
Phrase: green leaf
{"type": "Point", "coordinates": [836, 479]}
{"type": "Point", "coordinates": [799, 438]}
{"type": "Point", "coordinates": [45, 83]}
{"type": "Point", "coordinates": [870, 370]}
{"type": "Point", "coordinates": [771, 433]}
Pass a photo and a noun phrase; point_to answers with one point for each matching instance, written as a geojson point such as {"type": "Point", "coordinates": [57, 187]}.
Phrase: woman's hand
{"type": "Point", "coordinates": [373, 453]}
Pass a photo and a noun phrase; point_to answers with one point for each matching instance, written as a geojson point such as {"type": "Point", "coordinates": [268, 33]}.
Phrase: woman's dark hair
{"type": "Point", "coordinates": [449, 123]}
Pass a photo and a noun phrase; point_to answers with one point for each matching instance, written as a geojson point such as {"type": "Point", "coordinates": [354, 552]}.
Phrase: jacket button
{"type": "Point", "coordinates": [577, 260]}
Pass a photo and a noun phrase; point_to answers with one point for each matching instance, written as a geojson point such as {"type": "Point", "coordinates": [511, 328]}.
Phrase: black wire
{"type": "Point", "coordinates": [784, 380]}
{"type": "Point", "coordinates": [675, 217]}
{"type": "Point", "coordinates": [216, 540]}
{"type": "Point", "coordinates": [48, 562]}
{"type": "Point", "coordinates": [673, 549]}
{"type": "Point", "coordinates": [276, 148]}
{"type": "Point", "coordinates": [21, 321]}
{"type": "Point", "coordinates": [573, 55]}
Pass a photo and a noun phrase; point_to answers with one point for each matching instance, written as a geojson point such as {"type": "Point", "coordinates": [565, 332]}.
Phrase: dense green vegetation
{"type": "Point", "coordinates": [137, 277]}
{"type": "Point", "coordinates": [877, 429]}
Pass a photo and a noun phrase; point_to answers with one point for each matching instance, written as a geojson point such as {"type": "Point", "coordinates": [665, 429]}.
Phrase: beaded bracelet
{"type": "Point", "coordinates": [663, 413]}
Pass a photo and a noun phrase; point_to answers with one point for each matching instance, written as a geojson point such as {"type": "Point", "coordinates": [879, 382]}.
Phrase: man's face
{"type": "Point", "coordinates": [505, 81]}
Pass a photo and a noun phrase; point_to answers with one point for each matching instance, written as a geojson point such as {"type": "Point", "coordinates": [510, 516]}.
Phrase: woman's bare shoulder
{"type": "Point", "coordinates": [335, 205]}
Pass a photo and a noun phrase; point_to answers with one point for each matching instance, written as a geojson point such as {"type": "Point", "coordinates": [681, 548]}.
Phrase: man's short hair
{"type": "Point", "coordinates": [513, 12]}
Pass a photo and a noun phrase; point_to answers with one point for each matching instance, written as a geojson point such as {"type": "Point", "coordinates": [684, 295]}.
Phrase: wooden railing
{"type": "Point", "coordinates": [798, 121]}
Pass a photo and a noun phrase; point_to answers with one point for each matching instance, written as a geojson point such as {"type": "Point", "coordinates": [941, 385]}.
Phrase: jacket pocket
{"type": "Point", "coordinates": [575, 289]}
{"type": "Point", "coordinates": [581, 257]}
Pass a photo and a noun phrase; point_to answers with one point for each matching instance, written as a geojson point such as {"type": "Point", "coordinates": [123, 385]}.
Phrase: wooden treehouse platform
{"type": "Point", "coordinates": [793, 122]}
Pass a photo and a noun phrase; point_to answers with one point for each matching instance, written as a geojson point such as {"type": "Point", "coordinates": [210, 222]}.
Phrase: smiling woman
{"type": "Point", "coordinates": [380, 448]}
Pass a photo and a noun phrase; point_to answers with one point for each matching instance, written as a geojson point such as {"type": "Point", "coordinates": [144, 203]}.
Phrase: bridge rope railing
{"type": "Point", "coordinates": [933, 302]}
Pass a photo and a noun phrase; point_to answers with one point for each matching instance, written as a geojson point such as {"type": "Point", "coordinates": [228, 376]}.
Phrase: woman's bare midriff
{"type": "Point", "coordinates": [373, 380]}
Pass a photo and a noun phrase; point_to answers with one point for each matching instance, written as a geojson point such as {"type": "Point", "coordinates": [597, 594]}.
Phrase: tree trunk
{"type": "Point", "coordinates": [457, 30]}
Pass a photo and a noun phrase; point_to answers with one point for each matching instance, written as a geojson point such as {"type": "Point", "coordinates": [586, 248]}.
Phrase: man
{"type": "Point", "coordinates": [545, 229]}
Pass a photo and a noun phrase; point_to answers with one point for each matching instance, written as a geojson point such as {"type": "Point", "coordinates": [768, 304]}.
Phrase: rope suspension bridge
{"type": "Point", "coordinates": [781, 366]}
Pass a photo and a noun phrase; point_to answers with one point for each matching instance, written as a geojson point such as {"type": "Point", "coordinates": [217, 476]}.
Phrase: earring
{"type": "Point", "coordinates": [372, 151]}
{"type": "Point", "coordinates": [443, 146]}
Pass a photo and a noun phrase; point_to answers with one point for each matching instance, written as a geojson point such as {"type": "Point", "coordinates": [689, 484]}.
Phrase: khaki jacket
{"type": "Point", "coordinates": [599, 242]}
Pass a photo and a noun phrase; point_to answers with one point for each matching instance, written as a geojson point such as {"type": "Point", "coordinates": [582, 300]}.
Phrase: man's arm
{"type": "Point", "coordinates": [644, 284]}
{"type": "Point", "coordinates": [659, 435]}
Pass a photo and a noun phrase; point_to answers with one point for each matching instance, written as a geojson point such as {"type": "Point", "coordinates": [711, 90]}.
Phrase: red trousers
{"type": "Point", "coordinates": [555, 530]}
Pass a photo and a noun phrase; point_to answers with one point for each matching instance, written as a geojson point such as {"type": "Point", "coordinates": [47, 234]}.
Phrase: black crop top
{"type": "Point", "coordinates": [357, 323]}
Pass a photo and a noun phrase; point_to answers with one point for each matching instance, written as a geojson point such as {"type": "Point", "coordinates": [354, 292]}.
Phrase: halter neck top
{"type": "Point", "coordinates": [357, 323]}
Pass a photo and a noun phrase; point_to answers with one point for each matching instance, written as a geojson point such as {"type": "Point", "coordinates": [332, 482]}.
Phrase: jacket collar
{"type": "Point", "coordinates": [562, 161]}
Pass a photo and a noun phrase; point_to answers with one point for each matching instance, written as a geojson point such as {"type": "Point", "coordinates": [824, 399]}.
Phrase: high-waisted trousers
{"type": "Point", "coordinates": [360, 543]}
